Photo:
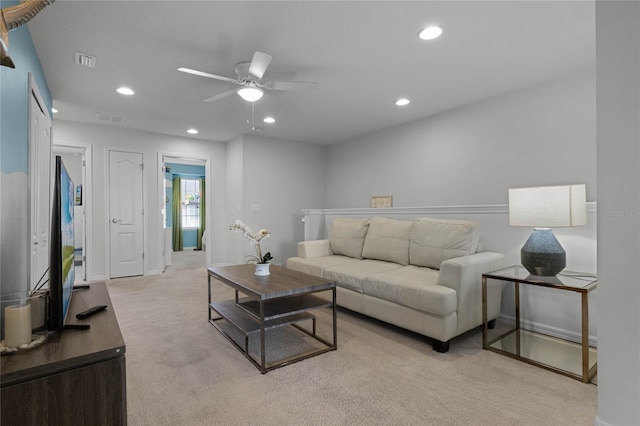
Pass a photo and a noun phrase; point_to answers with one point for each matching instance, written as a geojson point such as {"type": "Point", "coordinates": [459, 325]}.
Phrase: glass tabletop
{"type": "Point", "coordinates": [565, 279]}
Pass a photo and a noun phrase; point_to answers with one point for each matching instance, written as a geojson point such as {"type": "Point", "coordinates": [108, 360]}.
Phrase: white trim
{"type": "Point", "coordinates": [316, 221]}
{"type": "Point", "coordinates": [182, 158]}
{"type": "Point", "coordinates": [598, 422]}
{"type": "Point", "coordinates": [34, 173]}
{"type": "Point", "coordinates": [33, 88]}
{"type": "Point", "coordinates": [87, 194]}
{"type": "Point", "coordinates": [462, 209]}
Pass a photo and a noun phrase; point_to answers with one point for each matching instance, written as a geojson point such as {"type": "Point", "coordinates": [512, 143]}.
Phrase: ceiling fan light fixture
{"type": "Point", "coordinates": [250, 93]}
{"type": "Point", "coordinates": [269, 120]}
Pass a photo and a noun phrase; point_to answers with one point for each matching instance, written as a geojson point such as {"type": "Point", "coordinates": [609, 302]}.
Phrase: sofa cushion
{"type": "Point", "coordinates": [388, 240]}
{"type": "Point", "coordinates": [347, 236]}
{"type": "Point", "coordinates": [316, 265]}
{"type": "Point", "coordinates": [414, 287]}
{"type": "Point", "coordinates": [352, 275]}
{"type": "Point", "coordinates": [432, 241]}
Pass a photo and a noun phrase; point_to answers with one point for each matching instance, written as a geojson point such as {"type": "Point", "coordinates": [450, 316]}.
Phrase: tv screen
{"type": "Point", "coordinates": [61, 269]}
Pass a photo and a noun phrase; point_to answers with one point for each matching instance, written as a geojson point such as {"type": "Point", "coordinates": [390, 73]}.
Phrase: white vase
{"type": "Point", "coordinates": [262, 269]}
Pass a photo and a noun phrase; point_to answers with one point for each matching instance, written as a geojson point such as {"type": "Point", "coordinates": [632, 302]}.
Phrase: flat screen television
{"type": "Point", "coordinates": [61, 262]}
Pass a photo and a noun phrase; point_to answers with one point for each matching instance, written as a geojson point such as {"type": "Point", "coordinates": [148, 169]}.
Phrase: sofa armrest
{"type": "Point", "coordinates": [314, 248]}
{"type": "Point", "coordinates": [464, 275]}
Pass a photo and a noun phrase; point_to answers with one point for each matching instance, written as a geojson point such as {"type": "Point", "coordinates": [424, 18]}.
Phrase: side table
{"type": "Point", "coordinates": [575, 360]}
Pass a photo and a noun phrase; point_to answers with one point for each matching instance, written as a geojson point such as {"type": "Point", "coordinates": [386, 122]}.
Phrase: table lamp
{"type": "Point", "coordinates": [543, 208]}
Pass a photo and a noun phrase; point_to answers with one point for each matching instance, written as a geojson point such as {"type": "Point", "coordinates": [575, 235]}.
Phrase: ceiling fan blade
{"type": "Point", "coordinates": [271, 99]}
{"type": "Point", "coordinates": [220, 96]}
{"type": "Point", "coordinates": [206, 74]}
{"type": "Point", "coordinates": [291, 85]}
{"type": "Point", "coordinates": [259, 64]}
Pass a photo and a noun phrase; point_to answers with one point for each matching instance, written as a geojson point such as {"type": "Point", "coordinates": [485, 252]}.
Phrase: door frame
{"type": "Point", "coordinates": [107, 203]}
{"type": "Point", "coordinates": [87, 200]}
{"type": "Point", "coordinates": [34, 173]}
{"type": "Point", "coordinates": [173, 157]}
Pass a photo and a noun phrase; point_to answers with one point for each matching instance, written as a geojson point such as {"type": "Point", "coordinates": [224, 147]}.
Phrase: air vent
{"type": "Point", "coordinates": [109, 118]}
{"type": "Point", "coordinates": [85, 60]}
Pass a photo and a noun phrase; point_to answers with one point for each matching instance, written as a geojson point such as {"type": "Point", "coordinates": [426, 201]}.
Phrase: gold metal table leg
{"type": "Point", "coordinates": [585, 338]}
{"type": "Point", "coordinates": [484, 313]}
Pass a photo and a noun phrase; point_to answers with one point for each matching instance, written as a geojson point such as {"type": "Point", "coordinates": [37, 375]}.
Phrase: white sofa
{"type": "Point", "coordinates": [424, 275]}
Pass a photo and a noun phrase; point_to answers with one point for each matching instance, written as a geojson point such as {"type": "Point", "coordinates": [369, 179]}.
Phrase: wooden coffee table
{"type": "Point", "coordinates": [261, 303]}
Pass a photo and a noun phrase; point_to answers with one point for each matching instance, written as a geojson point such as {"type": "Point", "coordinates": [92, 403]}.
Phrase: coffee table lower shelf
{"type": "Point", "coordinates": [237, 316]}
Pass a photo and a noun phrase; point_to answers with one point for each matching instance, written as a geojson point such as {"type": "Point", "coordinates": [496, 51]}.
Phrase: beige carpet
{"type": "Point", "coordinates": [181, 371]}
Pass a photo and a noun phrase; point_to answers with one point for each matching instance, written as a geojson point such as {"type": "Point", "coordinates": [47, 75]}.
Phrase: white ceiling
{"type": "Point", "coordinates": [363, 55]}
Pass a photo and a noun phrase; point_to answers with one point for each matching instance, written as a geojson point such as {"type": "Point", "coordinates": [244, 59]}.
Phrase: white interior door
{"type": "Point", "coordinates": [126, 213]}
{"type": "Point", "coordinates": [40, 142]}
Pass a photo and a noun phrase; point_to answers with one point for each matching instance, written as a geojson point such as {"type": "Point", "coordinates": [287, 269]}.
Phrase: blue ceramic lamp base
{"type": "Point", "coordinates": [542, 254]}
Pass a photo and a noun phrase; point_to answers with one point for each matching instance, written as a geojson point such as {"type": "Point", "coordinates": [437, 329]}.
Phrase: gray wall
{"type": "Point", "coordinates": [618, 46]}
{"type": "Point", "coordinates": [279, 178]}
{"type": "Point", "coordinates": [542, 135]}
{"type": "Point", "coordinates": [466, 160]}
{"type": "Point", "coordinates": [101, 138]}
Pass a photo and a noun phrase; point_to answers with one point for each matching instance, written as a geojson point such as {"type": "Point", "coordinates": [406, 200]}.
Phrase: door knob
{"type": "Point", "coordinates": [114, 220]}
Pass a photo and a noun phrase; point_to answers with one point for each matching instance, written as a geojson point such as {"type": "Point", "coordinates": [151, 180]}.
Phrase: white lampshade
{"type": "Point", "coordinates": [250, 93]}
{"type": "Point", "coordinates": [548, 206]}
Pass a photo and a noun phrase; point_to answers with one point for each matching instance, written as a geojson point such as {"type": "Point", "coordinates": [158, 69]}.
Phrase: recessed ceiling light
{"type": "Point", "coordinates": [402, 102]}
{"type": "Point", "coordinates": [53, 110]}
{"type": "Point", "coordinates": [269, 120]}
{"type": "Point", "coordinates": [430, 33]}
{"type": "Point", "coordinates": [192, 131]}
{"type": "Point", "coordinates": [125, 91]}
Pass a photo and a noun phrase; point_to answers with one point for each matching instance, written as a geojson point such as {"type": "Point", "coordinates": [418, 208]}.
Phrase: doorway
{"type": "Point", "coordinates": [192, 168]}
{"type": "Point", "coordinates": [77, 163]}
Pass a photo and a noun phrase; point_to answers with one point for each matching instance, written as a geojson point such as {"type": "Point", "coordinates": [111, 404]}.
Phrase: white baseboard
{"type": "Point", "coordinates": [97, 278]}
{"type": "Point", "coordinates": [598, 422]}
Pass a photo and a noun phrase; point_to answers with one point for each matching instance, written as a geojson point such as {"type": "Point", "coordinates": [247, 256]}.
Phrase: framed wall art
{"type": "Point", "coordinates": [381, 201]}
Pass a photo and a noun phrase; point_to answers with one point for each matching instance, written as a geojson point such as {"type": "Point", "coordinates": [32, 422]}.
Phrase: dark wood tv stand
{"type": "Point", "coordinates": [76, 377]}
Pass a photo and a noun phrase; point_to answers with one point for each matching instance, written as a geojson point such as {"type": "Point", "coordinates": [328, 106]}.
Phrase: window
{"type": "Point", "coordinates": [190, 192]}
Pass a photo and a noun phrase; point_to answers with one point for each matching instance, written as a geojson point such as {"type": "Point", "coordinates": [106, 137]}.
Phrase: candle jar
{"type": "Point", "coordinates": [22, 314]}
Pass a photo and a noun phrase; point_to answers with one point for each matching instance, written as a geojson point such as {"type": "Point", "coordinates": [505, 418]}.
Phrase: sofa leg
{"type": "Point", "coordinates": [441, 347]}
{"type": "Point", "coordinates": [491, 324]}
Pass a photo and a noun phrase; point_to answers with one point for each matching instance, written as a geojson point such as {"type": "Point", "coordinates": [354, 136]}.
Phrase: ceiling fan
{"type": "Point", "coordinates": [249, 78]}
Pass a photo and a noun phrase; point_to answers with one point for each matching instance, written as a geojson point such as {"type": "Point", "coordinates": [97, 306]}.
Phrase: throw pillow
{"type": "Point", "coordinates": [433, 240]}
{"type": "Point", "coordinates": [387, 239]}
{"type": "Point", "coordinates": [347, 236]}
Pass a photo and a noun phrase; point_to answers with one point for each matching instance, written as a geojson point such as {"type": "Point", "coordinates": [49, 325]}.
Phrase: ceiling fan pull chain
{"type": "Point", "coordinates": [253, 122]}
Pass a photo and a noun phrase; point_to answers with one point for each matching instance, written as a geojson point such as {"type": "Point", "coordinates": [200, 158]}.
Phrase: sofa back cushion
{"type": "Point", "coordinates": [432, 241]}
{"type": "Point", "coordinates": [347, 236]}
{"type": "Point", "coordinates": [387, 239]}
